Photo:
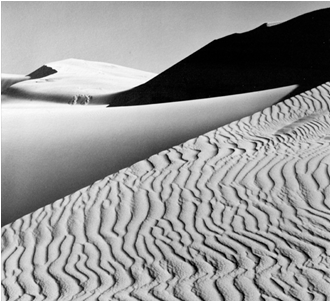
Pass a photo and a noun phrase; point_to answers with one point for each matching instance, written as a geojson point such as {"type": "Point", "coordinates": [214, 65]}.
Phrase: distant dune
{"type": "Point", "coordinates": [292, 52]}
{"type": "Point", "coordinates": [239, 213]}
{"type": "Point", "coordinates": [75, 81]}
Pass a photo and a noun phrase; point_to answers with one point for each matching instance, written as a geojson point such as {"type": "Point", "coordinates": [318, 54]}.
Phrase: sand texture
{"type": "Point", "coordinates": [240, 213]}
{"type": "Point", "coordinates": [42, 141]}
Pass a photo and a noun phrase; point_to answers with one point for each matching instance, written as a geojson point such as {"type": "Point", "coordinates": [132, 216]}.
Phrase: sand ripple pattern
{"type": "Point", "coordinates": [240, 213]}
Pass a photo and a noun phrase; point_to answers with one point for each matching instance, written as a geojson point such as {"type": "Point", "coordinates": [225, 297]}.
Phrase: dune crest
{"type": "Point", "coordinates": [42, 72]}
{"type": "Point", "coordinates": [240, 213]}
{"type": "Point", "coordinates": [292, 52]}
{"type": "Point", "coordinates": [110, 139]}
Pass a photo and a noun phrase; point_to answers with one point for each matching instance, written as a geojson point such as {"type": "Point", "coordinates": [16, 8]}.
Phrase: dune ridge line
{"type": "Point", "coordinates": [240, 213]}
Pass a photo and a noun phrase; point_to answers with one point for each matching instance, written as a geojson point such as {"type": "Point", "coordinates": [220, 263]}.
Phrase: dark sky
{"type": "Point", "coordinates": [149, 36]}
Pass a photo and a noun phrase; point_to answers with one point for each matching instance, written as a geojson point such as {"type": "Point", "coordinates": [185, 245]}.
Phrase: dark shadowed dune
{"type": "Point", "coordinates": [41, 72]}
{"type": "Point", "coordinates": [293, 52]}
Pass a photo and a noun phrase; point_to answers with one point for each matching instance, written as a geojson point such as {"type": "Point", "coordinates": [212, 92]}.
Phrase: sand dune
{"type": "Point", "coordinates": [239, 213]}
{"type": "Point", "coordinates": [8, 80]}
{"type": "Point", "coordinates": [70, 147]}
{"type": "Point", "coordinates": [80, 80]}
{"type": "Point", "coordinates": [293, 52]}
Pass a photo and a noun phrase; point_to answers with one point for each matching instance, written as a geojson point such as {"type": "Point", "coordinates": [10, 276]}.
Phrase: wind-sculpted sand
{"type": "Point", "coordinates": [42, 140]}
{"type": "Point", "coordinates": [240, 213]}
{"type": "Point", "coordinates": [8, 80]}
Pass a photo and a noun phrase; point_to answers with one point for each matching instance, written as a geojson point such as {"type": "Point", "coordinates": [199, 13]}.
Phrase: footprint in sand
{"type": "Point", "coordinates": [80, 99]}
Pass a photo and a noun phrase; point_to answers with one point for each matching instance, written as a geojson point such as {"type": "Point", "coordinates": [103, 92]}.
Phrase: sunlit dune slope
{"type": "Point", "coordinates": [239, 213]}
{"type": "Point", "coordinates": [76, 82]}
{"type": "Point", "coordinates": [292, 52]}
{"type": "Point", "coordinates": [50, 151]}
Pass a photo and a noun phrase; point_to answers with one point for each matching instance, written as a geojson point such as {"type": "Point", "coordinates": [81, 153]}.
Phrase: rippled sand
{"type": "Point", "coordinates": [240, 213]}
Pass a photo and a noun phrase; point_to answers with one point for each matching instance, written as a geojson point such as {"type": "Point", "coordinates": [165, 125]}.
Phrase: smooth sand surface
{"type": "Point", "coordinates": [78, 79]}
{"type": "Point", "coordinates": [270, 24]}
{"type": "Point", "coordinates": [8, 80]}
{"type": "Point", "coordinates": [51, 150]}
{"type": "Point", "coordinates": [239, 213]}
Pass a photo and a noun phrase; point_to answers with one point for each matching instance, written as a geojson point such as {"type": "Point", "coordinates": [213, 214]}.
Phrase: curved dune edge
{"type": "Point", "coordinates": [240, 213]}
{"type": "Point", "coordinates": [86, 143]}
{"type": "Point", "coordinates": [296, 51]}
{"type": "Point", "coordinates": [8, 80]}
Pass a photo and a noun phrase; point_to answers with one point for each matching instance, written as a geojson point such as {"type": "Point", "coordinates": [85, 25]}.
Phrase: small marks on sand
{"type": "Point", "coordinates": [80, 99]}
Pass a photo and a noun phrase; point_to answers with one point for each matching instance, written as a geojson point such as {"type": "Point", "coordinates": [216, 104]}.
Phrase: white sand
{"type": "Point", "coordinates": [78, 77]}
{"type": "Point", "coordinates": [51, 150]}
{"type": "Point", "coordinates": [270, 24]}
{"type": "Point", "coordinates": [240, 213]}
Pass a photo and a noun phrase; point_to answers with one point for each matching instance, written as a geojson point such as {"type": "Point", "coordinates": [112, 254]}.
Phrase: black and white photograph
{"type": "Point", "coordinates": [165, 150]}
